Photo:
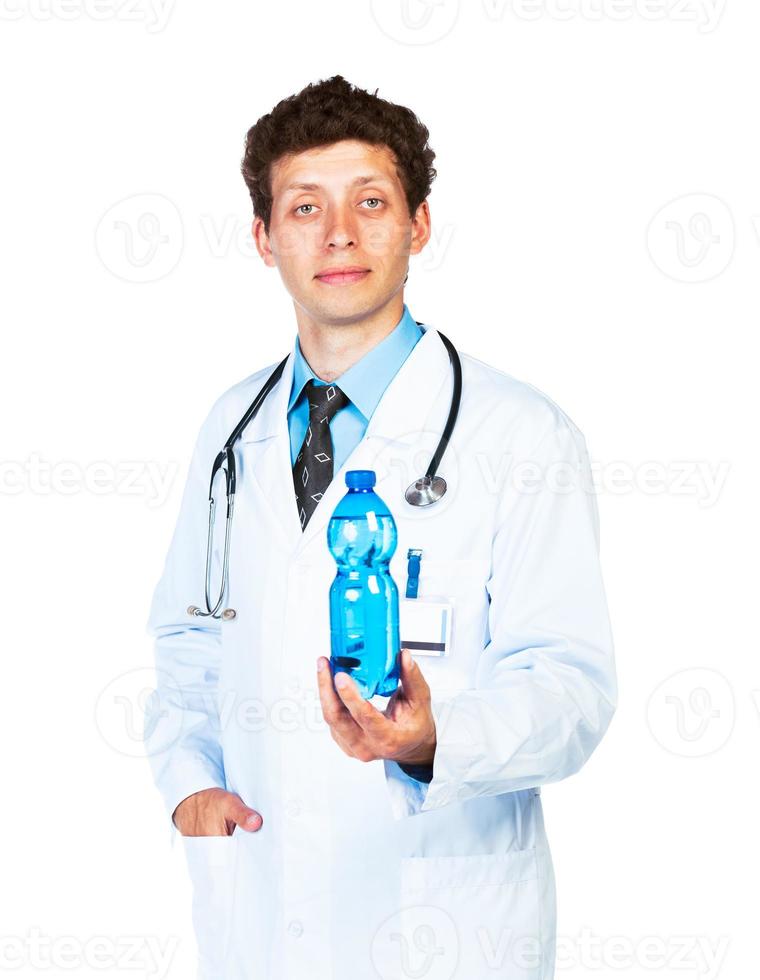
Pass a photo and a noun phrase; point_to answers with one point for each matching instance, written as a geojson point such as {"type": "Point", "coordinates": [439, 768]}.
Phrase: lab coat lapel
{"type": "Point", "coordinates": [265, 451]}
{"type": "Point", "coordinates": [401, 414]}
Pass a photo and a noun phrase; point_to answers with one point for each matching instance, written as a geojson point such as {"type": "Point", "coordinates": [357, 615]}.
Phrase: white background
{"type": "Point", "coordinates": [596, 225]}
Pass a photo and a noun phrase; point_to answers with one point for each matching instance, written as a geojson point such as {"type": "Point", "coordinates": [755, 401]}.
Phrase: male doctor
{"type": "Point", "coordinates": [329, 837]}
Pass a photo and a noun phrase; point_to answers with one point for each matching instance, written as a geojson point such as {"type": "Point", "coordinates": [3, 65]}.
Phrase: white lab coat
{"type": "Point", "coordinates": [359, 871]}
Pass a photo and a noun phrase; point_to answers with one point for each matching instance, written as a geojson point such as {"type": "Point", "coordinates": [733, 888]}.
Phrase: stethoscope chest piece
{"type": "Point", "coordinates": [425, 491]}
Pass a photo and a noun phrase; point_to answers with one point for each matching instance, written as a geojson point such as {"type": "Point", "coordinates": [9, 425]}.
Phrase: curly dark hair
{"type": "Point", "coordinates": [328, 111]}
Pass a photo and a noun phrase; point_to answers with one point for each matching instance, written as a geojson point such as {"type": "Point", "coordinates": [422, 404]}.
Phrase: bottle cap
{"type": "Point", "coordinates": [360, 479]}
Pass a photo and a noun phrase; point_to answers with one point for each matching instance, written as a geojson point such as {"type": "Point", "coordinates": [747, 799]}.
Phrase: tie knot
{"type": "Point", "coordinates": [324, 401]}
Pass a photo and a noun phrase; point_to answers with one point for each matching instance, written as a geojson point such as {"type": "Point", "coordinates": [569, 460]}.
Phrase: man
{"type": "Point", "coordinates": [329, 836]}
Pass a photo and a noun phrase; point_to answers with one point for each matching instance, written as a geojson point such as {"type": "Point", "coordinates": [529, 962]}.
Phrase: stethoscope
{"type": "Point", "coordinates": [427, 490]}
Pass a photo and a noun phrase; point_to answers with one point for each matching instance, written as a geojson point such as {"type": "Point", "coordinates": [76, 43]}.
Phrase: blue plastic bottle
{"type": "Point", "coordinates": [364, 631]}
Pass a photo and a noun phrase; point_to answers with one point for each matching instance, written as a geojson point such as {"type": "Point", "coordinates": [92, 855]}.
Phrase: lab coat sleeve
{"type": "Point", "coordinates": [545, 686]}
{"type": "Point", "coordinates": [181, 732]}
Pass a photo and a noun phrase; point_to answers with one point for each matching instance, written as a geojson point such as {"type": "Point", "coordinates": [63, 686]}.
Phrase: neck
{"type": "Point", "coordinates": [333, 346]}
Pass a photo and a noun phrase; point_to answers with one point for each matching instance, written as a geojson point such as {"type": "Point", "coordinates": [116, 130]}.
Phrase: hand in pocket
{"type": "Point", "coordinates": [214, 813]}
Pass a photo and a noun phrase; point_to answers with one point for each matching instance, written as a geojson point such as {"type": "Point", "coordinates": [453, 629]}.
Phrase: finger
{"type": "Point", "coordinates": [342, 744]}
{"type": "Point", "coordinates": [244, 816]}
{"type": "Point", "coordinates": [335, 713]}
{"type": "Point", "coordinates": [372, 722]}
{"type": "Point", "coordinates": [415, 687]}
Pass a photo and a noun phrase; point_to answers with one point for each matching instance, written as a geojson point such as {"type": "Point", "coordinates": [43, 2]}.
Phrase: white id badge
{"type": "Point", "coordinates": [425, 625]}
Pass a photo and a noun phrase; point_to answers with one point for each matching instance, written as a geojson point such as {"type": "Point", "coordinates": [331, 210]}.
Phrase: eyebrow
{"type": "Point", "coordinates": [357, 182]}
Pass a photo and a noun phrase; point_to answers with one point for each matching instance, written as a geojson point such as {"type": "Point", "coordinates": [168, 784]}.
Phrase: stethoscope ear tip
{"type": "Point", "coordinates": [225, 614]}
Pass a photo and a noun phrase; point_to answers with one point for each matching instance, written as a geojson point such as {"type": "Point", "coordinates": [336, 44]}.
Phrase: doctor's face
{"type": "Point", "coordinates": [341, 207]}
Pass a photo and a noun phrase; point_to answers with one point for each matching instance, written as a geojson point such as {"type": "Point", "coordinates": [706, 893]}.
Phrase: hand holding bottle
{"type": "Point", "coordinates": [404, 732]}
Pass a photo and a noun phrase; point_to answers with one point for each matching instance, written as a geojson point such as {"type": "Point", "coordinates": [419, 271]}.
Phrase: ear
{"type": "Point", "coordinates": [261, 240]}
{"type": "Point", "coordinates": [421, 229]}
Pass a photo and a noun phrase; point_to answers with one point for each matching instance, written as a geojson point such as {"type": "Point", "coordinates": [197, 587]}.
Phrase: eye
{"type": "Point", "coordinates": [304, 206]}
{"type": "Point", "coordinates": [377, 201]}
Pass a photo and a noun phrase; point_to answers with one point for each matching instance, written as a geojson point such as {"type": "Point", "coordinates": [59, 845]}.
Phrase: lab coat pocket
{"type": "Point", "coordinates": [472, 916]}
{"type": "Point", "coordinates": [462, 581]}
{"type": "Point", "coordinates": [453, 577]}
{"type": "Point", "coordinates": [211, 863]}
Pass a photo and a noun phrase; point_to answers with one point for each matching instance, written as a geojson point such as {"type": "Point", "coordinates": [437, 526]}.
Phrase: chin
{"type": "Point", "coordinates": [343, 307]}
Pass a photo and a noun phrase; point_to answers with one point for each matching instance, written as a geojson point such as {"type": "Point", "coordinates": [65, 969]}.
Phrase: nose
{"type": "Point", "coordinates": [340, 231]}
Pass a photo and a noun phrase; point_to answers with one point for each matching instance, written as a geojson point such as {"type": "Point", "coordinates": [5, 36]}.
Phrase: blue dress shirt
{"type": "Point", "coordinates": [364, 383]}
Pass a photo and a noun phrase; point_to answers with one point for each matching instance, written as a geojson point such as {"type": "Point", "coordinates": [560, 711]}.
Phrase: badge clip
{"type": "Point", "coordinates": [413, 572]}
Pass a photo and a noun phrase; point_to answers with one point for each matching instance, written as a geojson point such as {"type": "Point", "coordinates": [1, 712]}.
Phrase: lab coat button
{"type": "Point", "coordinates": [295, 928]}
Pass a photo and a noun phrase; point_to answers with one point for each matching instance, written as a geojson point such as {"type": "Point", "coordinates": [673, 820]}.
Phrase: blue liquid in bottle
{"type": "Point", "coordinates": [364, 630]}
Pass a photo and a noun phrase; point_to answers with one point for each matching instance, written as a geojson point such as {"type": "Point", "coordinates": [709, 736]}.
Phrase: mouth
{"type": "Point", "coordinates": [342, 276]}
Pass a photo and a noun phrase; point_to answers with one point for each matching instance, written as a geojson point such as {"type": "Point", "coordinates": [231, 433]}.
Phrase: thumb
{"type": "Point", "coordinates": [242, 815]}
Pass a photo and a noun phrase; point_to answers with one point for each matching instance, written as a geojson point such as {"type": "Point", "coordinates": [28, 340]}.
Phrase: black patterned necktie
{"type": "Point", "coordinates": [313, 468]}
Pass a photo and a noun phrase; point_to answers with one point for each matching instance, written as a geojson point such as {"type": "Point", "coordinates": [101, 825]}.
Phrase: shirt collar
{"type": "Point", "coordinates": [365, 381]}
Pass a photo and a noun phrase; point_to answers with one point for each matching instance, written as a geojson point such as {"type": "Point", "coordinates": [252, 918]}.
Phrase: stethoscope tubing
{"type": "Point", "coordinates": [225, 461]}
